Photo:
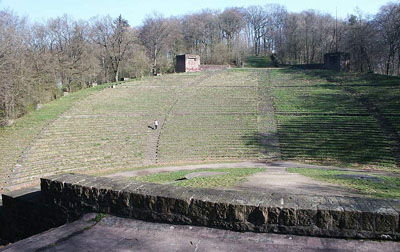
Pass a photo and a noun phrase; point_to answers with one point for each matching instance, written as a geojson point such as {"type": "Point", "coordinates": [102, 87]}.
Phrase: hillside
{"type": "Point", "coordinates": [210, 116]}
{"type": "Point", "coordinates": [337, 118]}
{"type": "Point", "coordinates": [258, 61]}
{"type": "Point", "coordinates": [309, 116]}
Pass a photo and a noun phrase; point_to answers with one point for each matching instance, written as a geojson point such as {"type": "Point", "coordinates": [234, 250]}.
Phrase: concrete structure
{"type": "Point", "coordinates": [110, 233]}
{"type": "Point", "coordinates": [332, 61]}
{"type": "Point", "coordinates": [65, 198]}
{"type": "Point", "coordinates": [338, 61]}
{"type": "Point", "coordinates": [342, 217]}
{"type": "Point", "coordinates": [187, 63]}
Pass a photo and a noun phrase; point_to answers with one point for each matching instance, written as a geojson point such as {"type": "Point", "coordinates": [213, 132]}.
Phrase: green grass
{"type": "Point", "coordinates": [348, 140]}
{"type": "Point", "coordinates": [14, 139]}
{"type": "Point", "coordinates": [315, 99]}
{"type": "Point", "coordinates": [212, 120]}
{"type": "Point", "coordinates": [388, 187]}
{"type": "Point", "coordinates": [321, 121]}
{"type": "Point", "coordinates": [210, 117]}
{"type": "Point", "coordinates": [231, 177]}
{"type": "Point", "coordinates": [258, 61]}
{"type": "Point", "coordinates": [99, 217]}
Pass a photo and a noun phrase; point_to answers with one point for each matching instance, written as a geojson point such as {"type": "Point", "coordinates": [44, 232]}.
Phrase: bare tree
{"type": "Point", "coordinates": [156, 37]}
{"type": "Point", "coordinates": [13, 67]}
{"type": "Point", "coordinates": [388, 24]}
{"type": "Point", "coordinates": [37, 60]}
{"type": "Point", "coordinates": [68, 43]}
{"type": "Point", "coordinates": [231, 22]}
{"type": "Point", "coordinates": [359, 40]}
{"type": "Point", "coordinates": [256, 18]}
{"type": "Point", "coordinates": [202, 34]}
{"type": "Point", "coordinates": [273, 36]}
{"type": "Point", "coordinates": [115, 37]}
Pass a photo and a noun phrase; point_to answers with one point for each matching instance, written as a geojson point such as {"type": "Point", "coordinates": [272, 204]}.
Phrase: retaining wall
{"type": "Point", "coordinates": [233, 210]}
{"type": "Point", "coordinates": [25, 214]}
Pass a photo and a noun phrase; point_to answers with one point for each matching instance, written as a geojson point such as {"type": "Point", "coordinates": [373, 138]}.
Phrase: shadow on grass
{"type": "Point", "coordinates": [346, 140]}
{"type": "Point", "coordinates": [378, 94]}
{"type": "Point", "coordinates": [327, 141]}
{"type": "Point", "coordinates": [331, 125]}
{"type": "Point", "coordinates": [259, 61]}
{"type": "Point", "coordinates": [347, 78]}
{"type": "Point", "coordinates": [266, 143]}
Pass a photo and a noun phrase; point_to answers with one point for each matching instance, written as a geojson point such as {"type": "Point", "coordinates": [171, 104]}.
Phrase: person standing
{"type": "Point", "coordinates": [155, 124]}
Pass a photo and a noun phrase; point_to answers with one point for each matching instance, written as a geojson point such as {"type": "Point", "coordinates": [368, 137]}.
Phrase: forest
{"type": "Point", "coordinates": [40, 61]}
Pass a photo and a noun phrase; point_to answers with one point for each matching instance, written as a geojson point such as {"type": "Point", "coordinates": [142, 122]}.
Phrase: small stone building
{"type": "Point", "coordinates": [337, 61]}
{"type": "Point", "coordinates": [187, 63]}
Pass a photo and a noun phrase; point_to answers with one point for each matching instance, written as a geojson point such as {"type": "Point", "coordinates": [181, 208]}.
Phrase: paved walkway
{"type": "Point", "coordinates": [274, 180]}
{"type": "Point", "coordinates": [120, 234]}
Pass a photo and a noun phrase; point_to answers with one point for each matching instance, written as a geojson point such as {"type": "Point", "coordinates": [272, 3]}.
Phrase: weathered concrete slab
{"type": "Point", "coordinates": [329, 216]}
{"type": "Point", "coordinates": [120, 234]}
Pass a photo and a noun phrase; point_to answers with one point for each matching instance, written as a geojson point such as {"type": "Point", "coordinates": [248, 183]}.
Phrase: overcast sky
{"type": "Point", "coordinates": [136, 10]}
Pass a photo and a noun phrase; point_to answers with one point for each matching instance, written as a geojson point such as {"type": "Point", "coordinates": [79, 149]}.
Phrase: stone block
{"type": "Point", "coordinates": [386, 218]}
{"type": "Point", "coordinates": [288, 217]}
{"type": "Point", "coordinates": [305, 217]}
{"type": "Point", "coordinates": [234, 210]}
{"type": "Point", "coordinates": [386, 222]}
{"type": "Point", "coordinates": [395, 204]}
{"type": "Point", "coordinates": [256, 215]}
{"type": "Point", "coordinates": [274, 214]}
{"type": "Point", "coordinates": [323, 219]}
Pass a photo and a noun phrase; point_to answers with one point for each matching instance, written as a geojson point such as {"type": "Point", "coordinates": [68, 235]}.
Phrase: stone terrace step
{"type": "Point", "coordinates": [234, 210]}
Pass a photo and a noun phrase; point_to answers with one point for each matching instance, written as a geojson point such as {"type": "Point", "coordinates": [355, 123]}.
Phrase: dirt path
{"type": "Point", "coordinates": [151, 148]}
{"type": "Point", "coordinates": [267, 124]}
{"type": "Point", "coordinates": [278, 180]}
{"type": "Point", "coordinates": [275, 179]}
{"type": "Point", "coordinates": [148, 171]}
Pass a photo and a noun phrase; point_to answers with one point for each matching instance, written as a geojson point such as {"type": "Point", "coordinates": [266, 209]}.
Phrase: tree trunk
{"type": "Point", "coordinates": [398, 63]}
{"type": "Point", "coordinates": [388, 65]}
{"type": "Point", "coordinates": [116, 73]}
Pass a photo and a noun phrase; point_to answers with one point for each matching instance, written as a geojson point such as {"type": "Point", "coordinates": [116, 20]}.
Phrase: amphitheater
{"type": "Point", "coordinates": [230, 115]}
{"type": "Point", "coordinates": [204, 117]}
{"type": "Point", "coordinates": [220, 117]}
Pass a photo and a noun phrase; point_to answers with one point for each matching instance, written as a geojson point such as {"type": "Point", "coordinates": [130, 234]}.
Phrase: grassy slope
{"type": "Point", "coordinates": [213, 120]}
{"type": "Point", "coordinates": [16, 138]}
{"type": "Point", "coordinates": [210, 117]}
{"type": "Point", "coordinates": [335, 127]}
{"type": "Point", "coordinates": [104, 131]}
{"type": "Point", "coordinates": [258, 61]}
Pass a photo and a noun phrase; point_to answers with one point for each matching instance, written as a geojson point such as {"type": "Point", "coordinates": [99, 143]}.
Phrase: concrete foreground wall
{"type": "Point", "coordinates": [25, 214]}
{"type": "Point", "coordinates": [232, 210]}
